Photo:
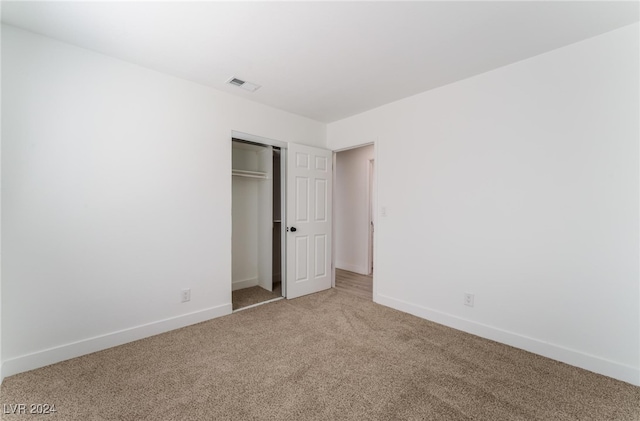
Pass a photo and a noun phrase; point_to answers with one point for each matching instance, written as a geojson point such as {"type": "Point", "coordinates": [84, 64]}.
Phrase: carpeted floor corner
{"type": "Point", "coordinates": [327, 356]}
{"type": "Point", "coordinates": [253, 295]}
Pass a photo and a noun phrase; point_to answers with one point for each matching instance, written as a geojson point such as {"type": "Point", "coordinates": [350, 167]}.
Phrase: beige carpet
{"type": "Point", "coordinates": [328, 356]}
{"type": "Point", "coordinates": [248, 296]}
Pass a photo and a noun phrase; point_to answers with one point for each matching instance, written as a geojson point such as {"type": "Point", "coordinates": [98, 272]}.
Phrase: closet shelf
{"type": "Point", "coordinates": [250, 174]}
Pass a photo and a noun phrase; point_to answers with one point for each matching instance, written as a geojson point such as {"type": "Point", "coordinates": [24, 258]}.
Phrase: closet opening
{"type": "Point", "coordinates": [257, 227]}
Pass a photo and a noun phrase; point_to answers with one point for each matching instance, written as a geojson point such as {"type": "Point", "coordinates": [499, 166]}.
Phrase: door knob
{"type": "Point", "coordinates": [293, 229]}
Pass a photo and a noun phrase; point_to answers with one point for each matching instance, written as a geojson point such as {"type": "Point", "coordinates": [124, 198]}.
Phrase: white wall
{"type": "Point", "coordinates": [244, 205]}
{"type": "Point", "coordinates": [116, 184]}
{"type": "Point", "coordinates": [352, 209]}
{"type": "Point", "coordinates": [520, 186]}
{"type": "Point", "coordinates": [244, 252]}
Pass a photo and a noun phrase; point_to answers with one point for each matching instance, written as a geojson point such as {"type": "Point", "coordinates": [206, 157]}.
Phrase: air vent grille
{"type": "Point", "coordinates": [247, 86]}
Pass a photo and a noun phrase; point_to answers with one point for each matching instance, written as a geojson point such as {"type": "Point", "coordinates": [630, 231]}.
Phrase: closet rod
{"type": "Point", "coordinates": [260, 176]}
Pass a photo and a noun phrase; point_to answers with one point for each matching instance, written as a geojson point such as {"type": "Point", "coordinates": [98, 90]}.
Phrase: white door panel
{"type": "Point", "coordinates": [308, 220]}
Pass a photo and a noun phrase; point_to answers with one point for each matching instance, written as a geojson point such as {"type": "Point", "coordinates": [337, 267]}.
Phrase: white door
{"type": "Point", "coordinates": [308, 220]}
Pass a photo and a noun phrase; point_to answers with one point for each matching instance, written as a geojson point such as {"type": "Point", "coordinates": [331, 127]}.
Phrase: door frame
{"type": "Point", "coordinates": [371, 172]}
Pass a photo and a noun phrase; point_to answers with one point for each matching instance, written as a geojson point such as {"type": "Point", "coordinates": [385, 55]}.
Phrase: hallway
{"type": "Point", "coordinates": [354, 283]}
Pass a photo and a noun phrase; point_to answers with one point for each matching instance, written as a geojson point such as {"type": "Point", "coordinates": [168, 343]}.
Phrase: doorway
{"type": "Point", "coordinates": [354, 219]}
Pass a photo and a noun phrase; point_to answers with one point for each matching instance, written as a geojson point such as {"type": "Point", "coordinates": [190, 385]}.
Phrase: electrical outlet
{"type": "Point", "coordinates": [468, 299]}
{"type": "Point", "coordinates": [186, 295]}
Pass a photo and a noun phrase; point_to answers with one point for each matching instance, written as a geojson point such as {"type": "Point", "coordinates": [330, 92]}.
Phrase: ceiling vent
{"type": "Point", "coordinates": [247, 86]}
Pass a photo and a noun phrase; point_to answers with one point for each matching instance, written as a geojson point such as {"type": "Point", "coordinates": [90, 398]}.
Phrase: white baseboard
{"type": "Point", "coordinates": [569, 356]}
{"type": "Point", "coordinates": [246, 283]}
{"type": "Point", "coordinates": [98, 343]}
{"type": "Point", "coordinates": [352, 268]}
